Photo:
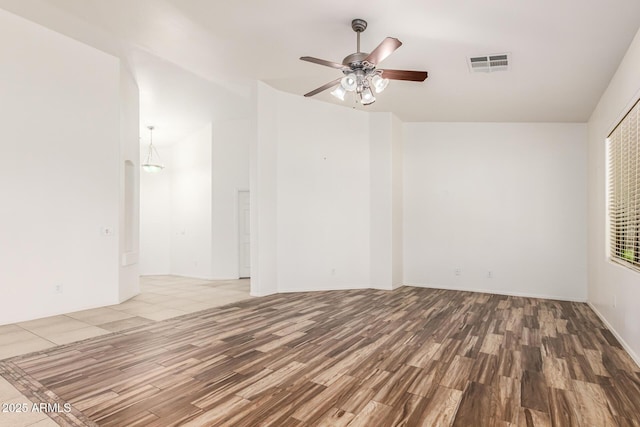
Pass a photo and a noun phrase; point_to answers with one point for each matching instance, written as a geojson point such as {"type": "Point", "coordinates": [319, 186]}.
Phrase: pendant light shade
{"type": "Point", "coordinates": [339, 92]}
{"type": "Point", "coordinates": [150, 168]}
{"type": "Point", "coordinates": [349, 82]}
{"type": "Point", "coordinates": [379, 83]}
{"type": "Point", "coordinates": [152, 163]}
{"type": "Point", "coordinates": [366, 96]}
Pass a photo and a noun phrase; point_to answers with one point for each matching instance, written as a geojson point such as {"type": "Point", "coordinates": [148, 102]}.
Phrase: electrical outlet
{"type": "Point", "coordinates": [457, 271]}
{"type": "Point", "coordinates": [57, 288]}
{"type": "Point", "coordinates": [615, 301]}
{"type": "Point", "coordinates": [490, 274]}
{"type": "Point", "coordinates": [333, 271]}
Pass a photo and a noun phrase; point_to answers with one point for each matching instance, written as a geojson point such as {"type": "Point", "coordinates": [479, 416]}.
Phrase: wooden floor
{"type": "Point", "coordinates": [410, 357]}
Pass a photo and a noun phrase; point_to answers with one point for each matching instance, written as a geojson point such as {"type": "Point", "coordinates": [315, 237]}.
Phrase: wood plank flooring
{"type": "Point", "coordinates": [409, 357]}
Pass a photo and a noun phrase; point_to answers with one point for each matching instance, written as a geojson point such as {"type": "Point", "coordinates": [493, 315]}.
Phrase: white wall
{"type": "Point", "coordinates": [611, 283]}
{"type": "Point", "coordinates": [230, 160]}
{"type": "Point", "coordinates": [60, 167]}
{"type": "Point", "coordinates": [505, 198]}
{"type": "Point", "coordinates": [323, 194]}
{"type": "Point", "coordinates": [191, 205]}
{"type": "Point", "coordinates": [326, 196]}
{"type": "Point", "coordinates": [155, 215]}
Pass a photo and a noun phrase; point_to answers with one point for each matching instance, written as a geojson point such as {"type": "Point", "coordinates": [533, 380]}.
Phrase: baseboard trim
{"type": "Point", "coordinates": [258, 294]}
{"type": "Point", "coordinates": [323, 288]}
{"type": "Point", "coordinates": [615, 333]}
{"type": "Point", "coordinates": [493, 291]}
{"type": "Point", "coordinates": [482, 291]}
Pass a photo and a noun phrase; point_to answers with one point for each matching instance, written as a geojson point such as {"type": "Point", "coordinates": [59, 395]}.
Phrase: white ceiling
{"type": "Point", "coordinates": [563, 52]}
{"type": "Point", "coordinates": [177, 102]}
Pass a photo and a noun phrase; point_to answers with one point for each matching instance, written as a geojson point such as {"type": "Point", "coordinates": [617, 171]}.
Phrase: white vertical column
{"type": "Point", "coordinates": [263, 187]}
{"type": "Point", "coordinates": [385, 132]}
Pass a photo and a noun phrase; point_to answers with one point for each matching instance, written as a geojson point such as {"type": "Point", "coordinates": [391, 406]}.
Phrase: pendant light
{"type": "Point", "coordinates": [152, 163]}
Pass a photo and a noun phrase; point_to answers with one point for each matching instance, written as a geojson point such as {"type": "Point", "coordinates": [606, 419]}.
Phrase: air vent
{"type": "Point", "coordinates": [489, 63]}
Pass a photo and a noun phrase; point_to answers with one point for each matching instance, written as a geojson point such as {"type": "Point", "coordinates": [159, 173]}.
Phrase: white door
{"type": "Point", "coordinates": [244, 234]}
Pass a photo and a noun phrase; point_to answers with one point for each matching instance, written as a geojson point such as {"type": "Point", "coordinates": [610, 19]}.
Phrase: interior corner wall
{"type": "Point", "coordinates": [397, 197]}
{"type": "Point", "coordinates": [263, 160]}
{"type": "Point", "coordinates": [505, 198]}
{"type": "Point", "coordinates": [129, 282]}
{"type": "Point", "coordinates": [59, 164]}
{"type": "Point", "coordinates": [189, 211]}
{"type": "Point", "coordinates": [381, 200]}
{"type": "Point", "coordinates": [386, 260]}
{"type": "Point", "coordinates": [614, 291]}
{"type": "Point", "coordinates": [191, 185]}
{"type": "Point", "coordinates": [230, 170]}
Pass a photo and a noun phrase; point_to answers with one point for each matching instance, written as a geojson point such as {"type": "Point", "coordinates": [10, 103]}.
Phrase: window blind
{"type": "Point", "coordinates": [624, 190]}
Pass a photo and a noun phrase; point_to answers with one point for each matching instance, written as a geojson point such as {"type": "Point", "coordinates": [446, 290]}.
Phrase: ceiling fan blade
{"type": "Point", "coordinates": [323, 62]}
{"type": "Point", "coordinates": [324, 87]}
{"type": "Point", "coordinates": [414, 76]}
{"type": "Point", "coordinates": [384, 49]}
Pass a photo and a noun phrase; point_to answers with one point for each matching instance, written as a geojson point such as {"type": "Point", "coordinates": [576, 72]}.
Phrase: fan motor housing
{"type": "Point", "coordinates": [355, 59]}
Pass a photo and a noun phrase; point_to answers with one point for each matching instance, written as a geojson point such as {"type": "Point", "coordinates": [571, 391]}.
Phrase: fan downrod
{"type": "Point", "coordinates": [358, 25]}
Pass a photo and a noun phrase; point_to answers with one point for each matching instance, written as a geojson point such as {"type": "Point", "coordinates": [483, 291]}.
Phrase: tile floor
{"type": "Point", "coordinates": [160, 298]}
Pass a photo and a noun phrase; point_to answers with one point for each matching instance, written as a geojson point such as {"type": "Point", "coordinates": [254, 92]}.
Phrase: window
{"type": "Point", "coordinates": [624, 190]}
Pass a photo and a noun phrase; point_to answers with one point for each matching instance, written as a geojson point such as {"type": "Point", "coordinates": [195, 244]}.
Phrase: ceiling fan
{"type": "Point", "coordinates": [360, 72]}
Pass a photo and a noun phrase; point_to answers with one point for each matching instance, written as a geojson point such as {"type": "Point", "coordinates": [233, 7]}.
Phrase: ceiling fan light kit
{"type": "Point", "coordinates": [359, 69]}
